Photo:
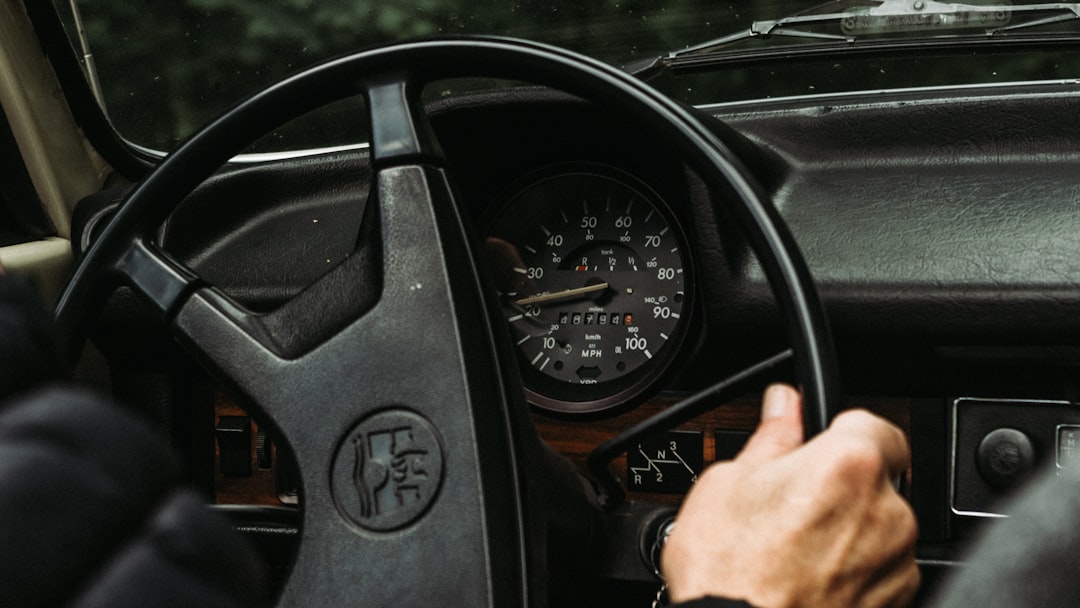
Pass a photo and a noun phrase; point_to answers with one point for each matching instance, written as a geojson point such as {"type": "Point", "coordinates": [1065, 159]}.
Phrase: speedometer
{"type": "Point", "coordinates": [593, 280]}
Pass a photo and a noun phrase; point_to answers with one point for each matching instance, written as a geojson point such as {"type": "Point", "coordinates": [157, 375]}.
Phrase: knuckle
{"type": "Point", "coordinates": [895, 520]}
{"type": "Point", "coordinates": [862, 421]}
{"type": "Point", "coordinates": [912, 580]}
{"type": "Point", "coordinates": [904, 523]}
{"type": "Point", "coordinates": [880, 434]}
{"type": "Point", "coordinates": [859, 459]}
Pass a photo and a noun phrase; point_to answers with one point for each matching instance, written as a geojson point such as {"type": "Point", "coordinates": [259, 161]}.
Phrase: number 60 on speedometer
{"type": "Point", "coordinates": [592, 277]}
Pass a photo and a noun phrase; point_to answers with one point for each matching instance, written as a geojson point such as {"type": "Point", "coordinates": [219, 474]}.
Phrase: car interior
{"type": "Point", "coordinates": [541, 309]}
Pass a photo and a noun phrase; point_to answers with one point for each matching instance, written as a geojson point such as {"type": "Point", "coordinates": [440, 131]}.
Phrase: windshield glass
{"type": "Point", "coordinates": [166, 68]}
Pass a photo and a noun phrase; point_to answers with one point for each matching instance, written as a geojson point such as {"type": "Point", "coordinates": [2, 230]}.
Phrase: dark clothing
{"type": "Point", "coordinates": [91, 514]}
{"type": "Point", "coordinates": [91, 508]}
{"type": "Point", "coordinates": [1032, 558]}
{"type": "Point", "coordinates": [29, 351]}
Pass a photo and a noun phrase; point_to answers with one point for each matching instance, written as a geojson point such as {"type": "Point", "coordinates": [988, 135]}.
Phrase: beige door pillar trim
{"type": "Point", "coordinates": [62, 164]}
{"type": "Point", "coordinates": [45, 264]}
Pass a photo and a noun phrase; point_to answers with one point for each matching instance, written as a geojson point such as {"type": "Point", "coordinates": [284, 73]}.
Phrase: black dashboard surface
{"type": "Point", "coordinates": [953, 219]}
{"type": "Point", "coordinates": [930, 221]}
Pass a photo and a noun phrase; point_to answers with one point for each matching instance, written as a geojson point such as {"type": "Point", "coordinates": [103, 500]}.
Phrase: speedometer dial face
{"type": "Point", "coordinates": [592, 277]}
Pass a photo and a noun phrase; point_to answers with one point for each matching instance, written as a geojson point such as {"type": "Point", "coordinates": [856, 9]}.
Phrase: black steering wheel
{"type": "Point", "coordinates": [420, 486]}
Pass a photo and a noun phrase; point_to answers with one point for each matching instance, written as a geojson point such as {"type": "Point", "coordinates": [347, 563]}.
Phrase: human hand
{"type": "Point", "coordinates": [794, 524]}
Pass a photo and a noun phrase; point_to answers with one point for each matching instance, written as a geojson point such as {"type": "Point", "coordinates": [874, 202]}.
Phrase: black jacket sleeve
{"type": "Point", "coordinates": [29, 350]}
{"type": "Point", "coordinates": [1029, 559]}
{"type": "Point", "coordinates": [92, 508]}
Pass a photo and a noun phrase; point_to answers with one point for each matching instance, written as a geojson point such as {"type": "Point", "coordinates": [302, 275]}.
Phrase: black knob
{"type": "Point", "coordinates": [1005, 456]}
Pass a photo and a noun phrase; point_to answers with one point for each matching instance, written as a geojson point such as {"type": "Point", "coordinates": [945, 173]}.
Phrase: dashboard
{"type": "Point", "coordinates": [940, 226]}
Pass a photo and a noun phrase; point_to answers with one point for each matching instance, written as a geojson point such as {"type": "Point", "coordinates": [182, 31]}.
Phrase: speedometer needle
{"type": "Point", "coordinates": [561, 295]}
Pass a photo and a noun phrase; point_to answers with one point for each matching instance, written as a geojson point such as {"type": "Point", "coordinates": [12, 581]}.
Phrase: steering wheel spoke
{"type": "Point", "coordinates": [386, 447]}
{"type": "Point", "coordinates": [399, 127]}
{"type": "Point", "coordinates": [157, 276]}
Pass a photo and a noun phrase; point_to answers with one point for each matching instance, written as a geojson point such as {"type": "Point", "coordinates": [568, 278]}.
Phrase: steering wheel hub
{"type": "Point", "coordinates": [388, 470]}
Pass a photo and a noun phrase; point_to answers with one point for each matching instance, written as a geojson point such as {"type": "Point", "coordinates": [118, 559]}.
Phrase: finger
{"type": "Point", "coordinates": [896, 584]}
{"type": "Point", "coordinates": [881, 433]}
{"type": "Point", "coordinates": [781, 428]}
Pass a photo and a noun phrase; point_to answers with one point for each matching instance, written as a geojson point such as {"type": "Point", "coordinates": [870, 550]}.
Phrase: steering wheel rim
{"type": "Point", "coordinates": [423, 228]}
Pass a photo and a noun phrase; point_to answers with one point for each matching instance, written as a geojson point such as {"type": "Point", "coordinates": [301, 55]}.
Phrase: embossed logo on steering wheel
{"type": "Point", "coordinates": [388, 470]}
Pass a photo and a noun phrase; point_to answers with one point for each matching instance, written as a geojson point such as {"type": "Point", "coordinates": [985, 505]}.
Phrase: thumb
{"type": "Point", "coordinates": [781, 427]}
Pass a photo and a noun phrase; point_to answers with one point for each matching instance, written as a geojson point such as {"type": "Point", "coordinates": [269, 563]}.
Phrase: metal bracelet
{"type": "Point", "coordinates": [661, 599]}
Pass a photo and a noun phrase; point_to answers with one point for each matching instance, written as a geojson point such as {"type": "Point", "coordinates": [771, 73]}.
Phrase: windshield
{"type": "Point", "coordinates": [166, 68]}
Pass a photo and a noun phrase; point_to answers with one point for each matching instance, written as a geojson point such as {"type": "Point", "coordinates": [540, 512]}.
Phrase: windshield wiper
{"type": "Point", "coordinates": [861, 18]}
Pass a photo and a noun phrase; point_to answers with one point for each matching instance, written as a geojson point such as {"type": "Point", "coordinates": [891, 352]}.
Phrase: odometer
{"type": "Point", "coordinates": [592, 277]}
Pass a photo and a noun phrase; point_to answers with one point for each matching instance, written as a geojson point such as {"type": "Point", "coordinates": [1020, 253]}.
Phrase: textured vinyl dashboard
{"type": "Point", "coordinates": [947, 219]}
{"type": "Point", "coordinates": [928, 220]}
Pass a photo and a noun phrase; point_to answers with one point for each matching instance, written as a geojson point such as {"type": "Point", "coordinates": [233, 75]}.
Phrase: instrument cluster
{"type": "Point", "coordinates": [595, 281]}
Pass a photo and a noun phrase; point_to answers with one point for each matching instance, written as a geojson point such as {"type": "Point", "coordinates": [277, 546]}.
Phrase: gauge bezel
{"type": "Point", "coordinates": [559, 397]}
